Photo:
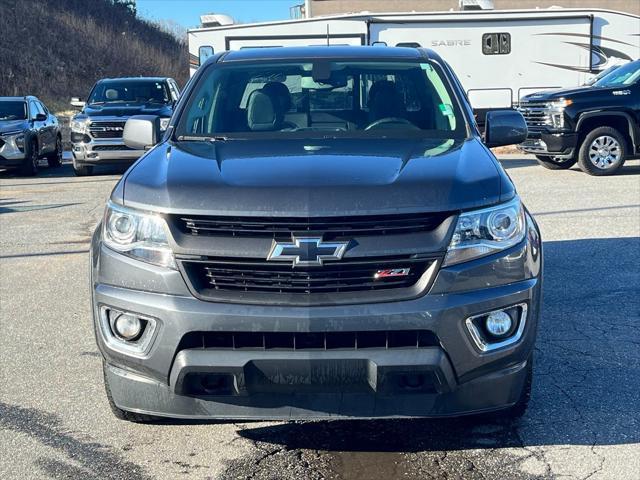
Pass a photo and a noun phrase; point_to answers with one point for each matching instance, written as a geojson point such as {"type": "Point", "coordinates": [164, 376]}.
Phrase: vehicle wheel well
{"type": "Point", "coordinates": [618, 122]}
{"type": "Point", "coordinates": [34, 139]}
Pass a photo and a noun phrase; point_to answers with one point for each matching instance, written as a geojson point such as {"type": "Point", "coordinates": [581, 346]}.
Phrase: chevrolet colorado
{"type": "Point", "coordinates": [320, 232]}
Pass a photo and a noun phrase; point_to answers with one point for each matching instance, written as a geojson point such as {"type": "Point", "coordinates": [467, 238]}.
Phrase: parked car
{"type": "Point", "coordinates": [597, 126]}
{"type": "Point", "coordinates": [320, 232]}
{"type": "Point", "coordinates": [96, 132]}
{"type": "Point", "coordinates": [28, 132]}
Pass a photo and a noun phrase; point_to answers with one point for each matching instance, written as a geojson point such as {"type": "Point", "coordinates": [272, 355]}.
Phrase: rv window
{"type": "Point", "coordinates": [409, 44]}
{"type": "Point", "coordinates": [496, 43]}
{"type": "Point", "coordinates": [205, 52]}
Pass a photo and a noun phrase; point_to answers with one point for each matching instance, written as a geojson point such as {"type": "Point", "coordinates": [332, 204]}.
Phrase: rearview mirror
{"type": "Point", "coordinates": [504, 127]}
{"type": "Point", "coordinates": [40, 117]}
{"type": "Point", "coordinates": [141, 132]}
{"type": "Point", "coordinates": [76, 102]}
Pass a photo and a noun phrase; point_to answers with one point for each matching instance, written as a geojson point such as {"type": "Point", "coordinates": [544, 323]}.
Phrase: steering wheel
{"type": "Point", "coordinates": [390, 120]}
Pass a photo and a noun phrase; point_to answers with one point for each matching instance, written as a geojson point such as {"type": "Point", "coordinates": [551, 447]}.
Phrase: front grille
{"type": "Point", "coordinates": [536, 114]}
{"type": "Point", "coordinates": [104, 129]}
{"type": "Point", "coordinates": [309, 340]}
{"type": "Point", "coordinates": [256, 275]}
{"type": "Point", "coordinates": [110, 148]}
{"type": "Point", "coordinates": [330, 227]}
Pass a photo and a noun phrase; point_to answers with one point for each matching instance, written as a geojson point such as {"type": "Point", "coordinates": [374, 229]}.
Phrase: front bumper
{"type": "Point", "coordinates": [322, 383]}
{"type": "Point", "coordinates": [553, 144]}
{"type": "Point", "coordinates": [10, 154]}
{"type": "Point", "coordinates": [494, 391]}
{"type": "Point", "coordinates": [104, 151]}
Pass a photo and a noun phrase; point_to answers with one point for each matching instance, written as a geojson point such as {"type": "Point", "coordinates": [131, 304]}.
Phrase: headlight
{"type": "Point", "coordinates": [137, 234]}
{"type": "Point", "coordinates": [483, 232]}
{"type": "Point", "coordinates": [556, 111]}
{"type": "Point", "coordinates": [79, 125]}
{"type": "Point", "coordinates": [164, 123]}
{"type": "Point", "coordinates": [11, 134]}
{"type": "Point", "coordinates": [562, 103]}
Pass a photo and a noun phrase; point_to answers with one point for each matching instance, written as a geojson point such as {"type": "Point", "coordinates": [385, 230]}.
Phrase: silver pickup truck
{"type": "Point", "coordinates": [96, 131]}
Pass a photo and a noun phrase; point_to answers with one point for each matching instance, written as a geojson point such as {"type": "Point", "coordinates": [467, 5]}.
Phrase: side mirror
{"type": "Point", "coordinates": [40, 117]}
{"type": "Point", "coordinates": [504, 127]}
{"type": "Point", "coordinates": [141, 131]}
{"type": "Point", "coordinates": [76, 102]}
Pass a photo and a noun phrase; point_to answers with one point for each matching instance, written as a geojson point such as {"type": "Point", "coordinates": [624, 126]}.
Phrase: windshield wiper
{"type": "Point", "coordinates": [202, 138]}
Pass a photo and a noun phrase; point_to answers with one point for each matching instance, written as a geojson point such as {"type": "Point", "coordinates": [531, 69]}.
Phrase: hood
{"type": "Point", "coordinates": [551, 95]}
{"type": "Point", "coordinates": [315, 177]}
{"type": "Point", "coordinates": [12, 125]}
{"type": "Point", "coordinates": [126, 109]}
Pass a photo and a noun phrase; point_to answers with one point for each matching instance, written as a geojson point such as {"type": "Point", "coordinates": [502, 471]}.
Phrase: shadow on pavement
{"type": "Point", "coordinates": [81, 458]}
{"type": "Point", "coordinates": [587, 372]}
{"type": "Point", "coordinates": [511, 163]}
{"type": "Point", "coordinates": [65, 170]}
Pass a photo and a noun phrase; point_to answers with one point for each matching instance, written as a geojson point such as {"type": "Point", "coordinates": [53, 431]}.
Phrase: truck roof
{"type": "Point", "coordinates": [18, 98]}
{"type": "Point", "coordinates": [336, 52]}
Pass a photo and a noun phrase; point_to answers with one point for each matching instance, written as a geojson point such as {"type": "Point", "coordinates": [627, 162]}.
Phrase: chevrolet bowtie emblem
{"type": "Point", "coordinates": [306, 251]}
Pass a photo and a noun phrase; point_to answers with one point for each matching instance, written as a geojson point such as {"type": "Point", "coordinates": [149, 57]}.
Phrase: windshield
{"type": "Point", "coordinates": [625, 75]}
{"type": "Point", "coordinates": [13, 110]}
{"type": "Point", "coordinates": [602, 74]}
{"type": "Point", "coordinates": [130, 92]}
{"type": "Point", "coordinates": [322, 98]}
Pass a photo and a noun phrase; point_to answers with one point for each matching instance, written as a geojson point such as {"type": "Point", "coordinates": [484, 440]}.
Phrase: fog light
{"type": "Point", "coordinates": [127, 332]}
{"type": "Point", "coordinates": [126, 326]}
{"type": "Point", "coordinates": [498, 323]}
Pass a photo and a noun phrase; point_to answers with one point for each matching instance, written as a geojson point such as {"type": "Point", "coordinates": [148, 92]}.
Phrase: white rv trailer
{"type": "Point", "coordinates": [499, 55]}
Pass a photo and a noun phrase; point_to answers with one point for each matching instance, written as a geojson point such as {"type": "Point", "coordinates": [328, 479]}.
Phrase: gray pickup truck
{"type": "Point", "coordinates": [320, 232]}
{"type": "Point", "coordinates": [96, 131]}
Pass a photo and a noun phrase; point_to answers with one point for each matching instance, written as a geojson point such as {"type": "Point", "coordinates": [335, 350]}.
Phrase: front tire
{"type": "Point", "coordinates": [555, 163]}
{"type": "Point", "coordinates": [602, 152]}
{"type": "Point", "coordinates": [55, 158]}
{"type": "Point", "coordinates": [82, 170]}
{"type": "Point", "coordinates": [30, 164]}
{"type": "Point", "coordinates": [124, 414]}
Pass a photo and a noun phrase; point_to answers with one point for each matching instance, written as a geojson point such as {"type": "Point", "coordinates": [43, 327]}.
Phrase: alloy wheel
{"type": "Point", "coordinates": [605, 152]}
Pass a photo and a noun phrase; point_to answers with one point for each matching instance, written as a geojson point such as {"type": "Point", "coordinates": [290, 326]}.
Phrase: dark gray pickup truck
{"type": "Point", "coordinates": [319, 233]}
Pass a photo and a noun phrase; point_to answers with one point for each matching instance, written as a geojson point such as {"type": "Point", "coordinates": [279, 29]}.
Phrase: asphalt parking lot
{"type": "Point", "coordinates": [583, 420]}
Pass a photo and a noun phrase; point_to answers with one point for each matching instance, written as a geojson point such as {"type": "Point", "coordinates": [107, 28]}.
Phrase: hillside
{"type": "Point", "coordinates": [57, 49]}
